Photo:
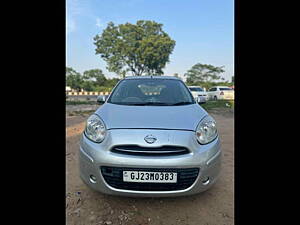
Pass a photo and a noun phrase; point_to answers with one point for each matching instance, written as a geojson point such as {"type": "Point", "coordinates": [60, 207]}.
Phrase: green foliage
{"type": "Point", "coordinates": [103, 89]}
{"type": "Point", "coordinates": [141, 48]}
{"type": "Point", "coordinates": [206, 76]}
{"type": "Point", "coordinates": [111, 82]}
{"type": "Point", "coordinates": [88, 86]}
{"type": "Point", "coordinates": [204, 73]}
{"type": "Point", "coordinates": [73, 79]}
{"type": "Point", "coordinates": [91, 80]}
{"type": "Point", "coordinates": [96, 76]}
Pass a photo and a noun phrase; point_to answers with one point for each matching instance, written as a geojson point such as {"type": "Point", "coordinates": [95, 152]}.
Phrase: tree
{"type": "Point", "coordinates": [94, 75]}
{"type": "Point", "coordinates": [176, 75]}
{"type": "Point", "coordinates": [203, 73]}
{"type": "Point", "coordinates": [141, 48]}
{"type": "Point", "coordinates": [73, 79]}
{"type": "Point", "coordinates": [111, 82]}
{"type": "Point", "coordinates": [88, 85]}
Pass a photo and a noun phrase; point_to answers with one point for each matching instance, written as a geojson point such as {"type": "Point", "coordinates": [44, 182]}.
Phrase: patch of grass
{"type": "Point", "coordinates": [71, 114]}
{"type": "Point", "coordinates": [81, 113]}
{"type": "Point", "coordinates": [228, 104]}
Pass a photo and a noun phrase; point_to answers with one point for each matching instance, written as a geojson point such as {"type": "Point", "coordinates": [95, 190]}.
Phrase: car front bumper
{"type": "Point", "coordinates": [201, 99]}
{"type": "Point", "coordinates": [93, 156]}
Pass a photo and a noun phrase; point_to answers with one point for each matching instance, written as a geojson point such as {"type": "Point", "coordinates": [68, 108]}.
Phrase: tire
{"type": "Point", "coordinates": [215, 98]}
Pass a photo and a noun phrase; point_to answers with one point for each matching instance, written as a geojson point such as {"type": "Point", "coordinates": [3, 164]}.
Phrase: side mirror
{"type": "Point", "coordinates": [101, 99]}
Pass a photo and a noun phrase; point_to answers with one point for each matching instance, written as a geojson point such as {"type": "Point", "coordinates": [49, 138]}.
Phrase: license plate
{"type": "Point", "coordinates": [149, 177]}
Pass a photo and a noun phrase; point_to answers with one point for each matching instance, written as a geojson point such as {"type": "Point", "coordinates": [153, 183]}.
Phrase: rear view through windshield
{"type": "Point", "coordinates": [151, 92]}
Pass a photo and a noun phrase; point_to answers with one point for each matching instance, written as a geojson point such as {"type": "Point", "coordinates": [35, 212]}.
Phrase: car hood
{"type": "Point", "coordinates": [185, 117]}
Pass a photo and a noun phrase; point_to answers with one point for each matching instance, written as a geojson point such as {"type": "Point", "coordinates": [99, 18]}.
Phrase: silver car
{"type": "Point", "coordinates": [150, 138]}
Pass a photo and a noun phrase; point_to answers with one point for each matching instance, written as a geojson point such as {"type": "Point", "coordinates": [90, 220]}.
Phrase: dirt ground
{"type": "Point", "coordinates": [213, 207]}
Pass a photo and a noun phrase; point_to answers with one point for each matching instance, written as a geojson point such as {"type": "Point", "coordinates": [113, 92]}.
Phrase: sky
{"type": "Point", "coordinates": [203, 31]}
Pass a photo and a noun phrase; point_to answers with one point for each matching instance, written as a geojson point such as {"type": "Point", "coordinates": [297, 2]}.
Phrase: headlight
{"type": "Point", "coordinates": [95, 129]}
{"type": "Point", "coordinates": [206, 130]}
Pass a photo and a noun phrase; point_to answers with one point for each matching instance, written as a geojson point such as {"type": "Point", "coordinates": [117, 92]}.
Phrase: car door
{"type": "Point", "coordinates": [211, 92]}
{"type": "Point", "coordinates": [217, 93]}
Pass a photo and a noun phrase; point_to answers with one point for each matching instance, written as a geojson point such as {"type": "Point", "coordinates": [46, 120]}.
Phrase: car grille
{"type": "Point", "coordinates": [145, 151]}
{"type": "Point", "coordinates": [114, 177]}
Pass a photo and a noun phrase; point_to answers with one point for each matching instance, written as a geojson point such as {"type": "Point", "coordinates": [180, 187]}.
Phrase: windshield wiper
{"type": "Point", "coordinates": [138, 103]}
{"type": "Point", "coordinates": [156, 103]}
{"type": "Point", "coordinates": [142, 103]}
{"type": "Point", "coordinates": [128, 103]}
{"type": "Point", "coordinates": [182, 103]}
{"type": "Point", "coordinates": [152, 103]}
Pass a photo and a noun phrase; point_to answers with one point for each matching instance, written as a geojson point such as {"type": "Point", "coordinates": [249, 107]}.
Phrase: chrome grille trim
{"type": "Point", "coordinates": [137, 150]}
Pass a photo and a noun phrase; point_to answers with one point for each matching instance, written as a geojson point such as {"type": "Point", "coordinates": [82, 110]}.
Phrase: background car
{"type": "Point", "coordinates": [198, 93]}
{"type": "Point", "coordinates": [220, 92]}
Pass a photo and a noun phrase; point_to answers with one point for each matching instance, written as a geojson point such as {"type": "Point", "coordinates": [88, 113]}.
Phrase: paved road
{"type": "Point", "coordinates": [213, 207]}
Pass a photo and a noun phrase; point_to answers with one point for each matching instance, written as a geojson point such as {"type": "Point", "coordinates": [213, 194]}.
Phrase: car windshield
{"type": "Point", "coordinates": [226, 89]}
{"type": "Point", "coordinates": [196, 89]}
{"type": "Point", "coordinates": [147, 91]}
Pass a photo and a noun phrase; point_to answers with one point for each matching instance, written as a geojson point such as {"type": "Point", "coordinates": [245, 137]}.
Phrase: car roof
{"type": "Point", "coordinates": [220, 87]}
{"type": "Point", "coordinates": [152, 77]}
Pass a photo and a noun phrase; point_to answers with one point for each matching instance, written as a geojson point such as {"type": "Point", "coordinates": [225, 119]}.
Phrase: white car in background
{"type": "Point", "coordinates": [198, 93]}
{"type": "Point", "coordinates": [220, 92]}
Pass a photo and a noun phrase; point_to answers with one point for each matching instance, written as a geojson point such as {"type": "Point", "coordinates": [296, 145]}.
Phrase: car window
{"type": "Point", "coordinates": [147, 91]}
{"type": "Point", "coordinates": [225, 89]}
{"type": "Point", "coordinates": [196, 89]}
{"type": "Point", "coordinates": [213, 89]}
